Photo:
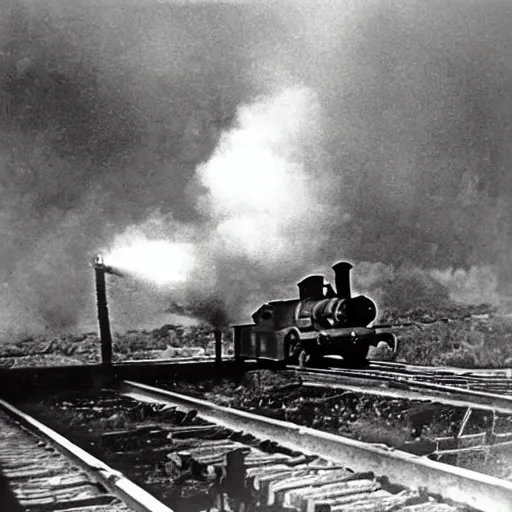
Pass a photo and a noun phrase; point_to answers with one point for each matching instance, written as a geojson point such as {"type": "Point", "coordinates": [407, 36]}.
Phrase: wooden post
{"type": "Point", "coordinates": [237, 342]}
{"type": "Point", "coordinates": [461, 430]}
{"type": "Point", "coordinates": [103, 320]}
{"type": "Point", "coordinates": [218, 348]}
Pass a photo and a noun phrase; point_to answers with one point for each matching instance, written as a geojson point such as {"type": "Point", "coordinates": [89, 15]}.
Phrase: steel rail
{"type": "Point", "coordinates": [487, 385]}
{"type": "Point", "coordinates": [163, 360]}
{"type": "Point", "coordinates": [421, 378]}
{"type": "Point", "coordinates": [500, 402]}
{"type": "Point", "coordinates": [466, 381]}
{"type": "Point", "coordinates": [179, 359]}
{"type": "Point", "coordinates": [482, 492]}
{"type": "Point", "coordinates": [406, 394]}
{"type": "Point", "coordinates": [131, 494]}
{"type": "Point", "coordinates": [477, 372]}
{"type": "Point", "coordinates": [441, 376]}
{"type": "Point", "coordinates": [479, 382]}
{"type": "Point", "coordinates": [399, 374]}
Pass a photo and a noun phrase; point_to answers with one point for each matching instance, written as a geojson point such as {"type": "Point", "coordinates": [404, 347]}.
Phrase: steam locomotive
{"type": "Point", "coordinates": [319, 323]}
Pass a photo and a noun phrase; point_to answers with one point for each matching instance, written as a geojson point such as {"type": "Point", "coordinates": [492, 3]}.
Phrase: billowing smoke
{"type": "Point", "coordinates": [258, 179]}
{"type": "Point", "coordinates": [158, 261]}
{"type": "Point", "coordinates": [268, 141]}
{"type": "Point", "coordinates": [259, 205]}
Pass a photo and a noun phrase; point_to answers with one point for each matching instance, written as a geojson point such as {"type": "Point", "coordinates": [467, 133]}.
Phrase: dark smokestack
{"type": "Point", "coordinates": [342, 279]}
{"type": "Point", "coordinates": [311, 288]}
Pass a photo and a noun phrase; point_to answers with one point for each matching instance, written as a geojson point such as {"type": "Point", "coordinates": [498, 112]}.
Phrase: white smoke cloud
{"type": "Point", "coordinates": [261, 199]}
{"type": "Point", "coordinates": [260, 194]}
{"type": "Point", "coordinates": [267, 202]}
{"type": "Point", "coordinates": [159, 261]}
{"type": "Point", "coordinates": [257, 179]}
{"type": "Point", "coordinates": [159, 251]}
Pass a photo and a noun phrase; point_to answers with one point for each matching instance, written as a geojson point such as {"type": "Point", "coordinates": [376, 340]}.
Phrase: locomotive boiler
{"type": "Point", "coordinates": [320, 322]}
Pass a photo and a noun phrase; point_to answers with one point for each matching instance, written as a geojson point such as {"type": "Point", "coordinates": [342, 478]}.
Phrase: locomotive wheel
{"type": "Point", "coordinates": [296, 353]}
{"type": "Point", "coordinates": [293, 349]}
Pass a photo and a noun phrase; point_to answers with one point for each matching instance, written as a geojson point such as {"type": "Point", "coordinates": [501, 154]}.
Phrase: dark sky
{"type": "Point", "coordinates": [107, 111]}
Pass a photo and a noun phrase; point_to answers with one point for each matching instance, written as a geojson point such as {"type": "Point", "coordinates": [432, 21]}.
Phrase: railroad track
{"type": "Point", "coordinates": [407, 385]}
{"type": "Point", "coordinates": [171, 444]}
{"type": "Point", "coordinates": [490, 380]}
{"type": "Point", "coordinates": [246, 458]}
{"type": "Point", "coordinates": [452, 370]}
{"type": "Point", "coordinates": [325, 483]}
{"type": "Point", "coordinates": [43, 471]}
{"type": "Point", "coordinates": [177, 359]}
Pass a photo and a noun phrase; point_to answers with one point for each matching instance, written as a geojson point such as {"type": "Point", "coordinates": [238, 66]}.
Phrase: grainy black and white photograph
{"type": "Point", "coordinates": [255, 256]}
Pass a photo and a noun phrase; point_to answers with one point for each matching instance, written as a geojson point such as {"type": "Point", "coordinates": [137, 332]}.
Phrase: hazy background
{"type": "Point", "coordinates": [118, 115]}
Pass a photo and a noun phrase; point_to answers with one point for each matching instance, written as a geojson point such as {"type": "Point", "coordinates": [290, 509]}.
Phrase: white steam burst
{"type": "Point", "coordinates": [159, 261]}
{"type": "Point", "coordinates": [259, 200]}
{"type": "Point", "coordinates": [256, 178]}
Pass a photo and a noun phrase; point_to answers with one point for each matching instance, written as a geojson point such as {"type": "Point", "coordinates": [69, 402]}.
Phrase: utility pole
{"type": "Point", "coordinates": [100, 269]}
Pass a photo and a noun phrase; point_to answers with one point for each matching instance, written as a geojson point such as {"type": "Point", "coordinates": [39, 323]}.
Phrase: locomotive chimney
{"type": "Point", "coordinates": [342, 279]}
{"type": "Point", "coordinates": [311, 288]}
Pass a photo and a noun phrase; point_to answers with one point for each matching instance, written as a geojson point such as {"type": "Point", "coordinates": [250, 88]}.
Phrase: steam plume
{"type": "Point", "coordinates": [257, 180]}
{"type": "Point", "coordinates": [259, 208]}
{"type": "Point", "coordinates": [155, 260]}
